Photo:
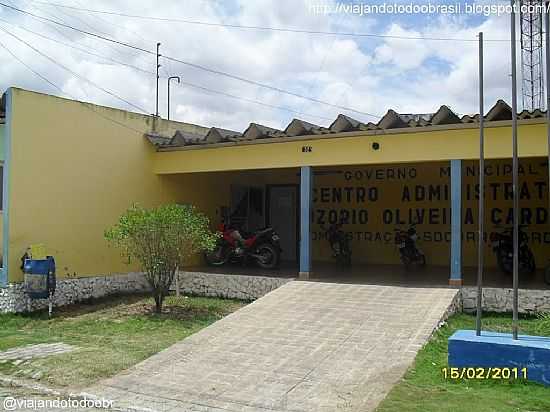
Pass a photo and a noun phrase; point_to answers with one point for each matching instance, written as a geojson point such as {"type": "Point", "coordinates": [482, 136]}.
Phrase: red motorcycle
{"type": "Point", "coordinates": [261, 246]}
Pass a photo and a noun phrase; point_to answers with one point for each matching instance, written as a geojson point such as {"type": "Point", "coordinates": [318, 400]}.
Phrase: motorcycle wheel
{"type": "Point", "coordinates": [347, 260]}
{"type": "Point", "coordinates": [504, 263]}
{"type": "Point", "coordinates": [422, 260]}
{"type": "Point", "coordinates": [344, 260]}
{"type": "Point", "coordinates": [406, 262]}
{"type": "Point", "coordinates": [270, 256]}
{"type": "Point", "coordinates": [547, 275]}
{"type": "Point", "coordinates": [530, 266]}
{"type": "Point", "coordinates": [217, 257]}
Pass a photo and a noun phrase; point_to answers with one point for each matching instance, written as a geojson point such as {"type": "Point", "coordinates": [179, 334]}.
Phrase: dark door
{"type": "Point", "coordinates": [283, 218]}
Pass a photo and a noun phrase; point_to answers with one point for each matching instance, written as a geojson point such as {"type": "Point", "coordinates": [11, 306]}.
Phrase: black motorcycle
{"type": "Point", "coordinates": [409, 253]}
{"type": "Point", "coordinates": [503, 246]}
{"type": "Point", "coordinates": [339, 244]}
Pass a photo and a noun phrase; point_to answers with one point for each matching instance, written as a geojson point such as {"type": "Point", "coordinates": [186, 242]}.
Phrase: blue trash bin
{"type": "Point", "coordinates": [40, 279]}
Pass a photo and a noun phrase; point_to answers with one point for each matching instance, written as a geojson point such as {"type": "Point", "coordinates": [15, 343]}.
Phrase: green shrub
{"type": "Point", "coordinates": [161, 239]}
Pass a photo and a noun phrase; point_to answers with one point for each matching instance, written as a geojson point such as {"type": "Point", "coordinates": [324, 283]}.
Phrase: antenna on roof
{"type": "Point", "coordinates": [532, 66]}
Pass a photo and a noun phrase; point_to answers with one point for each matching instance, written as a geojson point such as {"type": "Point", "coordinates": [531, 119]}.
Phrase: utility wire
{"type": "Point", "coordinates": [49, 25]}
{"type": "Point", "coordinates": [263, 28]}
{"type": "Point", "coordinates": [140, 132]}
{"type": "Point", "coordinates": [29, 68]}
{"type": "Point", "coordinates": [274, 88]}
{"type": "Point", "coordinates": [196, 66]}
{"type": "Point", "coordinates": [80, 49]}
{"type": "Point", "coordinates": [184, 83]}
{"type": "Point", "coordinates": [110, 93]}
{"type": "Point", "coordinates": [102, 21]}
{"type": "Point", "coordinates": [232, 96]}
{"type": "Point", "coordinates": [77, 29]}
{"type": "Point", "coordinates": [117, 26]}
{"type": "Point", "coordinates": [44, 78]}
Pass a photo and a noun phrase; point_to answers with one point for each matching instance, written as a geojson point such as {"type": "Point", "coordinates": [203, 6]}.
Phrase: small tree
{"type": "Point", "coordinates": [161, 240]}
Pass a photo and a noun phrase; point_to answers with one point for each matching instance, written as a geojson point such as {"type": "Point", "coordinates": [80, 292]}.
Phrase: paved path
{"type": "Point", "coordinates": [306, 346]}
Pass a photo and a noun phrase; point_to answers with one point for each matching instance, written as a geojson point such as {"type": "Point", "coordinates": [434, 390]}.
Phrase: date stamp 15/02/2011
{"type": "Point", "coordinates": [484, 373]}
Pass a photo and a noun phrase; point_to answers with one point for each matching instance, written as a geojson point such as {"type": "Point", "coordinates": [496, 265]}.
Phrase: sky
{"type": "Point", "coordinates": [369, 75]}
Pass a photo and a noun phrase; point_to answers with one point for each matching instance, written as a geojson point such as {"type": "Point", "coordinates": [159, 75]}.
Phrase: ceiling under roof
{"type": "Point", "coordinates": [391, 120]}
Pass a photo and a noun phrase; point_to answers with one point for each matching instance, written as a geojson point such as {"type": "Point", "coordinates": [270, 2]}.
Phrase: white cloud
{"type": "Point", "coordinates": [404, 54]}
{"type": "Point", "coordinates": [362, 73]}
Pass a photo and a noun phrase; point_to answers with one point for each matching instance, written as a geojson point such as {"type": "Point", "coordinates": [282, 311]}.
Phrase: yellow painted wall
{"type": "Point", "coordinates": [533, 189]}
{"type": "Point", "coordinates": [426, 151]}
{"type": "Point", "coordinates": [370, 200]}
{"type": "Point", "coordinates": [375, 199]}
{"type": "Point", "coordinates": [74, 170]}
{"type": "Point", "coordinates": [396, 146]}
{"type": "Point", "coordinates": [388, 196]}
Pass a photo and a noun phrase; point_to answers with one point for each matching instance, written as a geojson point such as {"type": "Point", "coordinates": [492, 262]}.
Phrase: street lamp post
{"type": "Point", "coordinates": [171, 78]}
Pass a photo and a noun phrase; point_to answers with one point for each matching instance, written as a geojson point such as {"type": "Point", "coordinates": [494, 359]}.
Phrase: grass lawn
{"type": "Point", "coordinates": [112, 334]}
{"type": "Point", "coordinates": [424, 389]}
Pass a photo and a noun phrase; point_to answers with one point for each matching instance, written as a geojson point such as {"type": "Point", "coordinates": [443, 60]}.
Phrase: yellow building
{"type": "Point", "coordinates": [71, 168]}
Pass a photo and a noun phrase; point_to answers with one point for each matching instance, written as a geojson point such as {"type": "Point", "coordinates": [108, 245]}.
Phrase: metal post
{"type": "Point", "coordinates": [306, 183]}
{"type": "Point", "coordinates": [515, 170]}
{"type": "Point", "coordinates": [171, 78]}
{"type": "Point", "coordinates": [481, 241]}
{"type": "Point", "coordinates": [158, 67]}
{"type": "Point", "coordinates": [456, 223]}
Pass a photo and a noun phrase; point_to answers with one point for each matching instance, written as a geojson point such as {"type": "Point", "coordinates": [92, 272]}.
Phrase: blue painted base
{"type": "Point", "coordinates": [493, 349]}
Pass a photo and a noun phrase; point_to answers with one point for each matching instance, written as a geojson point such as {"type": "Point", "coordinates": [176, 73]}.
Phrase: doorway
{"type": "Point", "coordinates": [283, 217]}
{"type": "Point", "coordinates": [247, 207]}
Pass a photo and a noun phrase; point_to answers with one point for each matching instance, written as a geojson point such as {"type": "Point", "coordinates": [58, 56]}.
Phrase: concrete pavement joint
{"type": "Point", "coordinates": [307, 346]}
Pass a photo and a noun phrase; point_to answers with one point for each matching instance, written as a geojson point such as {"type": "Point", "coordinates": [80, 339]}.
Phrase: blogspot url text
{"type": "Point", "coordinates": [364, 9]}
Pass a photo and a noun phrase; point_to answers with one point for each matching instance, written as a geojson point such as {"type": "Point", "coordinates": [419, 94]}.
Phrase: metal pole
{"type": "Point", "coordinates": [481, 241]}
{"type": "Point", "coordinates": [158, 66]}
{"type": "Point", "coordinates": [171, 78]}
{"type": "Point", "coordinates": [515, 171]}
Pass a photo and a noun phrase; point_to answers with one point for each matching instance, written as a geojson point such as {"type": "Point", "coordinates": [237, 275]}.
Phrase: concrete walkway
{"type": "Point", "coordinates": [306, 346]}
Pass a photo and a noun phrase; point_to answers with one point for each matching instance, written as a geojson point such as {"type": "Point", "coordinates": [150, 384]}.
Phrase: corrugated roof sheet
{"type": "Point", "coordinates": [391, 120]}
{"type": "Point", "coordinates": [158, 140]}
{"type": "Point", "coordinates": [218, 135]}
{"type": "Point", "coordinates": [258, 131]}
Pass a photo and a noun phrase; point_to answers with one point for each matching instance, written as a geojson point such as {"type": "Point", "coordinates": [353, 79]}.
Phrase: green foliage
{"type": "Point", "coordinates": [161, 240]}
{"type": "Point", "coordinates": [112, 334]}
{"type": "Point", "coordinates": [543, 324]}
{"type": "Point", "coordinates": [424, 389]}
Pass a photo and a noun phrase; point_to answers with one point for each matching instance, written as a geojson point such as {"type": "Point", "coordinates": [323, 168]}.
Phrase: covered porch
{"type": "Point", "coordinates": [306, 176]}
{"type": "Point", "coordinates": [299, 202]}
